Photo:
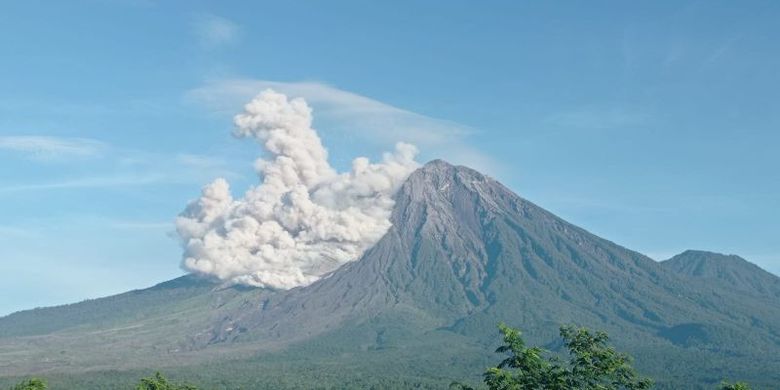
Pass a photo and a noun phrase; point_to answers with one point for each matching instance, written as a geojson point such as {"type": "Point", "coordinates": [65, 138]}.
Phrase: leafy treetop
{"type": "Point", "coordinates": [593, 365]}
{"type": "Point", "coordinates": [31, 384]}
{"type": "Point", "coordinates": [159, 382]}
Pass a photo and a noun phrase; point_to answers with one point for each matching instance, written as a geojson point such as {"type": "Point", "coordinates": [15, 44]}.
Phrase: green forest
{"type": "Point", "coordinates": [592, 364]}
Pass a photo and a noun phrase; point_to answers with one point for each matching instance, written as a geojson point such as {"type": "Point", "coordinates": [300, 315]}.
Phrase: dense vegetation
{"type": "Point", "coordinates": [592, 365]}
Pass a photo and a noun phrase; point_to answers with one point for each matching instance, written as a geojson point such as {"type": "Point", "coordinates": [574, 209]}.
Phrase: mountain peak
{"type": "Point", "coordinates": [439, 176]}
{"type": "Point", "coordinates": [436, 163]}
{"type": "Point", "coordinates": [439, 166]}
{"type": "Point", "coordinates": [441, 192]}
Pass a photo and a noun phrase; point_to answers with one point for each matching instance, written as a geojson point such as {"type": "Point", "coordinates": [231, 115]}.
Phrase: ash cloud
{"type": "Point", "coordinates": [304, 219]}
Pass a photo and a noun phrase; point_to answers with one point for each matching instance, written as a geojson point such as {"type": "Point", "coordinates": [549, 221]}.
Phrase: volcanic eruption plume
{"type": "Point", "coordinates": [304, 219]}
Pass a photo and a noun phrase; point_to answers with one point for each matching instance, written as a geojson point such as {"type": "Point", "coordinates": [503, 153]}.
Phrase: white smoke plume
{"type": "Point", "coordinates": [304, 219]}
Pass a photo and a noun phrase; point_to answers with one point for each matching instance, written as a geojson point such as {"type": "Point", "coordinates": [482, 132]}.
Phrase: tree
{"type": "Point", "coordinates": [593, 365]}
{"type": "Point", "coordinates": [525, 368]}
{"type": "Point", "coordinates": [31, 384]}
{"type": "Point", "coordinates": [159, 382]}
{"type": "Point", "coordinates": [734, 386]}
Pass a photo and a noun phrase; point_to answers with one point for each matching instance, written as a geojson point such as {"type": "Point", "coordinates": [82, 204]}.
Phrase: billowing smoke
{"type": "Point", "coordinates": [304, 219]}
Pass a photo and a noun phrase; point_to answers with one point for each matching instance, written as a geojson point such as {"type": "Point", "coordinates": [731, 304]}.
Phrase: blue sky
{"type": "Point", "coordinates": [653, 124]}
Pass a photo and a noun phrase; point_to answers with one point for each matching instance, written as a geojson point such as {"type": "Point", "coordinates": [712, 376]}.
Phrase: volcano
{"type": "Point", "coordinates": [419, 309]}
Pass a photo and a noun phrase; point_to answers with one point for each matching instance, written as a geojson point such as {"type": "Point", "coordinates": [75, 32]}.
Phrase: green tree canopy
{"type": "Point", "coordinates": [31, 384]}
{"type": "Point", "coordinates": [159, 382]}
{"type": "Point", "coordinates": [593, 365]}
{"type": "Point", "coordinates": [734, 386]}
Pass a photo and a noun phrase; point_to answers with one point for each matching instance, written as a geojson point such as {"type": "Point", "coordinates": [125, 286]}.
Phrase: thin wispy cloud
{"type": "Point", "coordinates": [8, 231]}
{"type": "Point", "coordinates": [214, 31]}
{"type": "Point", "coordinates": [44, 148]}
{"type": "Point", "coordinates": [361, 116]}
{"type": "Point", "coordinates": [87, 182]}
{"type": "Point", "coordinates": [723, 49]}
{"type": "Point", "coordinates": [200, 162]}
{"type": "Point", "coordinates": [593, 117]}
{"type": "Point", "coordinates": [142, 225]}
{"type": "Point", "coordinates": [197, 167]}
{"type": "Point", "coordinates": [130, 3]}
{"type": "Point", "coordinates": [131, 168]}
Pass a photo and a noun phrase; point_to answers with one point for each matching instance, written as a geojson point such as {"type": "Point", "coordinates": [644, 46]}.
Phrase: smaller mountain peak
{"type": "Point", "coordinates": [732, 271]}
{"type": "Point", "coordinates": [695, 254]}
{"type": "Point", "coordinates": [705, 262]}
{"type": "Point", "coordinates": [700, 252]}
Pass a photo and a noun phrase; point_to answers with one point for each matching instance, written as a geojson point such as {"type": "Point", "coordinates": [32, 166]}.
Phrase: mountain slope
{"type": "Point", "coordinates": [464, 253]}
{"type": "Point", "coordinates": [129, 306]}
{"type": "Point", "coordinates": [728, 271]}
{"type": "Point", "coordinates": [134, 329]}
